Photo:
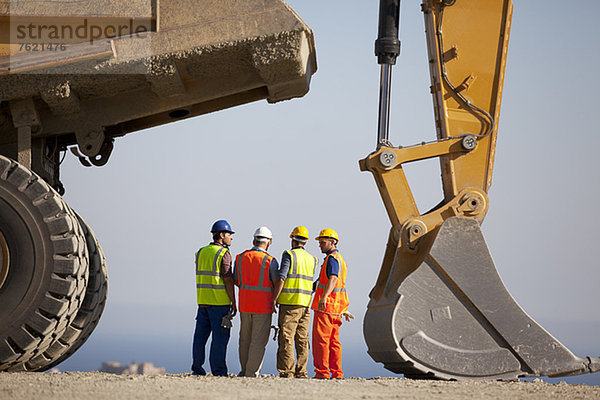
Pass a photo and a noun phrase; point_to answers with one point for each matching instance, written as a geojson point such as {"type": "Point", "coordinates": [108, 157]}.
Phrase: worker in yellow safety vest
{"type": "Point", "coordinates": [216, 301]}
{"type": "Point", "coordinates": [293, 292]}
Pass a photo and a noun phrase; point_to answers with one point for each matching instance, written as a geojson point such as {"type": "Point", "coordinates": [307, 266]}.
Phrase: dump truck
{"type": "Point", "coordinates": [438, 310]}
{"type": "Point", "coordinates": [78, 75]}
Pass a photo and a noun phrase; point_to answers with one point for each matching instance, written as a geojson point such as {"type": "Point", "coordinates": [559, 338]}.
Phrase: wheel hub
{"type": "Point", "coordinates": [4, 259]}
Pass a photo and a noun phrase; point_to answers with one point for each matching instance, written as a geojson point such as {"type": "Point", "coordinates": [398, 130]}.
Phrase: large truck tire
{"type": "Point", "coordinates": [44, 263]}
{"type": "Point", "coordinates": [88, 316]}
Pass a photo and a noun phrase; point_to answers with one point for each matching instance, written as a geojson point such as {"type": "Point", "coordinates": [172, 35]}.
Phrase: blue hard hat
{"type": "Point", "coordinates": [221, 226]}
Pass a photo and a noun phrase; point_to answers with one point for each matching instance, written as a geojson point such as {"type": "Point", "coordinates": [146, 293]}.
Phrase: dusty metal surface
{"type": "Point", "coordinates": [201, 56]}
{"type": "Point", "coordinates": [137, 8]}
{"type": "Point", "coordinates": [453, 318]}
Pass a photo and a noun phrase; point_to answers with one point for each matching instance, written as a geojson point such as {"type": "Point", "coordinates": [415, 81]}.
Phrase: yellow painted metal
{"type": "Point", "coordinates": [467, 45]}
{"type": "Point", "coordinates": [474, 42]}
{"type": "Point", "coordinates": [399, 202]}
{"type": "Point", "coordinates": [416, 153]}
{"type": "Point", "coordinates": [467, 42]}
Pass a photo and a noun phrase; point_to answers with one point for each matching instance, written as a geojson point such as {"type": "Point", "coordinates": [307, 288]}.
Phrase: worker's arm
{"type": "Point", "coordinates": [281, 276]}
{"type": "Point", "coordinates": [277, 291]}
{"type": "Point", "coordinates": [227, 276]}
{"type": "Point", "coordinates": [328, 289]}
{"type": "Point", "coordinates": [228, 281]}
{"type": "Point", "coordinates": [347, 315]}
{"type": "Point", "coordinates": [236, 273]}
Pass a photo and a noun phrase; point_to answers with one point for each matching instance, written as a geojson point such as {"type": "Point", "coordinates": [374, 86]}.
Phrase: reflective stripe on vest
{"type": "Point", "coordinates": [210, 288]}
{"type": "Point", "coordinates": [335, 290]}
{"type": "Point", "coordinates": [252, 275]}
{"type": "Point", "coordinates": [337, 301]}
{"type": "Point", "coordinates": [297, 288]}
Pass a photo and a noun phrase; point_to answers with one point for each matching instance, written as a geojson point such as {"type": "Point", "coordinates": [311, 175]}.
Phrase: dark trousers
{"type": "Point", "coordinates": [208, 320]}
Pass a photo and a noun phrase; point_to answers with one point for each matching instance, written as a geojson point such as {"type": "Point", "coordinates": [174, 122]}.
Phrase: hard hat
{"type": "Point", "coordinates": [221, 226]}
{"type": "Point", "coordinates": [263, 232]}
{"type": "Point", "coordinates": [328, 233]}
{"type": "Point", "coordinates": [300, 231]}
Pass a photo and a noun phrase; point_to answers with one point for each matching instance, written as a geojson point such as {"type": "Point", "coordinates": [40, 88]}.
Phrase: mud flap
{"type": "Point", "coordinates": [453, 318]}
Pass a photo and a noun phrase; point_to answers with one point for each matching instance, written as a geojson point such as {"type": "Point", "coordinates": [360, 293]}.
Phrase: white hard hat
{"type": "Point", "coordinates": [263, 232]}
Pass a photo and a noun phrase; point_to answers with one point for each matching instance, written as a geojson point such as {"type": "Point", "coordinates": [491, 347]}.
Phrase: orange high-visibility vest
{"type": "Point", "coordinates": [337, 301]}
{"type": "Point", "coordinates": [252, 276]}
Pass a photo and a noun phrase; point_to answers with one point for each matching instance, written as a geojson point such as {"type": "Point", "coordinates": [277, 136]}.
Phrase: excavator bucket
{"type": "Point", "coordinates": [453, 318]}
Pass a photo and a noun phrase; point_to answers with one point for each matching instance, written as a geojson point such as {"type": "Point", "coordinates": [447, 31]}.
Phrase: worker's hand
{"type": "Point", "coordinates": [233, 310]}
{"type": "Point", "coordinates": [322, 303]}
{"type": "Point", "coordinates": [274, 306]}
{"type": "Point", "coordinates": [348, 316]}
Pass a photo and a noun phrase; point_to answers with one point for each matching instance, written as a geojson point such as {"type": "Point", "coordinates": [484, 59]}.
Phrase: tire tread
{"type": "Point", "coordinates": [88, 316]}
{"type": "Point", "coordinates": [23, 349]}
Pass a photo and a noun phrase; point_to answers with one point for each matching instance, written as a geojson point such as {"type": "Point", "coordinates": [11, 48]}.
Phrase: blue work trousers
{"type": "Point", "coordinates": [208, 320]}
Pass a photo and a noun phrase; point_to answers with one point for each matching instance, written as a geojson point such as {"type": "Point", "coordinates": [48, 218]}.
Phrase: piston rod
{"type": "Point", "coordinates": [385, 83]}
{"type": "Point", "coordinates": [387, 48]}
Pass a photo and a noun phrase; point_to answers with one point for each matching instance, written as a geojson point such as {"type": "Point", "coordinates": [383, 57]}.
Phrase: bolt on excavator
{"type": "Point", "coordinates": [76, 75]}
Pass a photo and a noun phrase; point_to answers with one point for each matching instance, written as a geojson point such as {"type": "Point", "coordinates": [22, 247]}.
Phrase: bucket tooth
{"type": "Point", "coordinates": [593, 364]}
{"type": "Point", "coordinates": [453, 318]}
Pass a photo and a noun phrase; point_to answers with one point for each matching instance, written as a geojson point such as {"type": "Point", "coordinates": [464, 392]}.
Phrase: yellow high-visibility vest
{"type": "Point", "coordinates": [297, 288]}
{"type": "Point", "coordinates": [210, 287]}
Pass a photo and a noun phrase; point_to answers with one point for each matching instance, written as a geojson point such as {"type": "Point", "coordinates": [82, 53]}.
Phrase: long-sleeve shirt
{"type": "Point", "coordinates": [225, 270]}
{"type": "Point", "coordinates": [286, 263]}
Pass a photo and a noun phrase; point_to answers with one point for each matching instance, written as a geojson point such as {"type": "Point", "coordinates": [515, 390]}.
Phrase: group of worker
{"type": "Point", "coordinates": [265, 285]}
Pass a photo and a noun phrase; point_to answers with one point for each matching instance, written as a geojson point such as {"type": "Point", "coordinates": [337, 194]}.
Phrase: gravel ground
{"type": "Point", "coordinates": [97, 385]}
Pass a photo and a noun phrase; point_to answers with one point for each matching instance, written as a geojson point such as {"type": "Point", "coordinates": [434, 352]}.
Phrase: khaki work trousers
{"type": "Point", "coordinates": [254, 335]}
{"type": "Point", "coordinates": [294, 322]}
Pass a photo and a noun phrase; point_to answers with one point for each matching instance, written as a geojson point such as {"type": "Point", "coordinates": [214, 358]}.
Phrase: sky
{"type": "Point", "coordinates": [296, 163]}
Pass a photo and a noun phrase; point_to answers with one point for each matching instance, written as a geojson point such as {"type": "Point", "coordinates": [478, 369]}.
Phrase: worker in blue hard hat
{"type": "Point", "coordinates": [216, 300]}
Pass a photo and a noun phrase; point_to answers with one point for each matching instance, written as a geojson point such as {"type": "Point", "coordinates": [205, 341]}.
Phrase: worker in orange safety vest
{"type": "Point", "coordinates": [330, 304]}
{"type": "Point", "coordinates": [254, 273]}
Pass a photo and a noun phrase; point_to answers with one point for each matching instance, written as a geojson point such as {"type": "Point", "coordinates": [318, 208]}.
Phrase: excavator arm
{"type": "Point", "coordinates": [439, 308]}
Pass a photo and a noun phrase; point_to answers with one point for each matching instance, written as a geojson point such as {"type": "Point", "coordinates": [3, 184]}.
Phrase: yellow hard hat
{"type": "Point", "coordinates": [300, 231]}
{"type": "Point", "coordinates": [328, 233]}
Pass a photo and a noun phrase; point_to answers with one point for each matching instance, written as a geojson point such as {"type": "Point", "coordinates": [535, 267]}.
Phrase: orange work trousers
{"type": "Point", "coordinates": [327, 349]}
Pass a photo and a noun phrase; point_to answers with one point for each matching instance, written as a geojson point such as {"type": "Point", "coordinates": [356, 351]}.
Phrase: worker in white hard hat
{"type": "Point", "coordinates": [254, 273]}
